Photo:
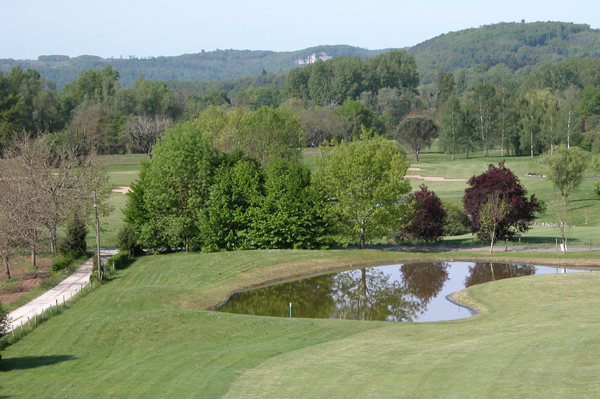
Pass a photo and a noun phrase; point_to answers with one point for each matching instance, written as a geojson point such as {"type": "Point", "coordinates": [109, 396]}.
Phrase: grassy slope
{"type": "Point", "coordinates": [143, 335]}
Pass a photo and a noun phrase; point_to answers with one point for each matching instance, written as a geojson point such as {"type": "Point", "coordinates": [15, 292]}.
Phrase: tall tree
{"type": "Point", "coordinates": [415, 133]}
{"type": "Point", "coordinates": [568, 116]}
{"type": "Point", "coordinates": [165, 203]}
{"type": "Point", "coordinates": [363, 180]}
{"type": "Point", "coordinates": [452, 125]}
{"type": "Point", "coordinates": [507, 114]}
{"type": "Point", "coordinates": [484, 110]}
{"type": "Point", "coordinates": [143, 131]}
{"type": "Point", "coordinates": [565, 171]}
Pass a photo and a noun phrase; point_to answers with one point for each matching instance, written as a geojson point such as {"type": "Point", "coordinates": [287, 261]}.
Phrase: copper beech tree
{"type": "Point", "coordinates": [499, 179]}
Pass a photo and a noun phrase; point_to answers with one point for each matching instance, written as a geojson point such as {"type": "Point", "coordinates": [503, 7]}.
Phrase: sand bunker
{"type": "Point", "coordinates": [122, 190]}
{"type": "Point", "coordinates": [416, 169]}
{"type": "Point", "coordinates": [432, 178]}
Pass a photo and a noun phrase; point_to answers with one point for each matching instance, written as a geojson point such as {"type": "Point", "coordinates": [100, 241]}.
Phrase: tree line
{"type": "Point", "coordinates": [46, 186]}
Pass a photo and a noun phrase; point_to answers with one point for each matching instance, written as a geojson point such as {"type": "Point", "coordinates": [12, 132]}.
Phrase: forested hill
{"type": "Point", "coordinates": [515, 44]}
{"type": "Point", "coordinates": [210, 65]}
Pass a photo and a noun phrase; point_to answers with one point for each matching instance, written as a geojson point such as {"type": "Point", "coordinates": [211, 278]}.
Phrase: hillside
{"type": "Point", "coordinates": [514, 44]}
{"type": "Point", "coordinates": [210, 65]}
{"type": "Point", "coordinates": [517, 45]}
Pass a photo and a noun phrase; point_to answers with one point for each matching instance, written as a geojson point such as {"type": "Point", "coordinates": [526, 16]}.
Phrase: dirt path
{"type": "Point", "coordinates": [64, 291]}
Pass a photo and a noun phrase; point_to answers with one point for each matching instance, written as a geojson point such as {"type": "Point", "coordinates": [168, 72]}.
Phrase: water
{"type": "Point", "coordinates": [404, 292]}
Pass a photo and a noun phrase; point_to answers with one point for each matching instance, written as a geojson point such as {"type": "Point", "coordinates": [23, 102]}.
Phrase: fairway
{"type": "Point", "coordinates": [145, 335]}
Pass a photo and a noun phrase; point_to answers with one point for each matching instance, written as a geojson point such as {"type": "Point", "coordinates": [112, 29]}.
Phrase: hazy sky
{"type": "Point", "coordinates": [29, 28]}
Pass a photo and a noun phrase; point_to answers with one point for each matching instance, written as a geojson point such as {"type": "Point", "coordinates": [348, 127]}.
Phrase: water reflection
{"type": "Point", "coordinates": [482, 272]}
{"type": "Point", "coordinates": [407, 292]}
{"type": "Point", "coordinates": [371, 294]}
{"type": "Point", "coordinates": [425, 280]}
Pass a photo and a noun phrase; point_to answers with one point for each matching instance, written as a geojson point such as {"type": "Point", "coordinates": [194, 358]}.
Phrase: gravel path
{"type": "Point", "coordinates": [61, 292]}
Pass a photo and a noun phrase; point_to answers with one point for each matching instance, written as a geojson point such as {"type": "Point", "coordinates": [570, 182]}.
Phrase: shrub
{"type": "Point", "coordinates": [64, 262]}
{"type": "Point", "coordinates": [128, 240]}
{"type": "Point", "coordinates": [3, 327]}
{"type": "Point", "coordinates": [74, 242]}
{"type": "Point", "coordinates": [457, 221]}
{"type": "Point", "coordinates": [118, 260]}
{"type": "Point", "coordinates": [428, 222]}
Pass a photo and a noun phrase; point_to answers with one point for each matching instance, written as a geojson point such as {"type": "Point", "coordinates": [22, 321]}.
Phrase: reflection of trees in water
{"type": "Point", "coordinates": [310, 297]}
{"type": "Point", "coordinates": [425, 280]}
{"type": "Point", "coordinates": [482, 272]}
{"type": "Point", "coordinates": [368, 294]}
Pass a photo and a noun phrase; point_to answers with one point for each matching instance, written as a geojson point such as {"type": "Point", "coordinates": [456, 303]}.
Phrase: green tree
{"type": "Point", "coordinates": [288, 215]}
{"type": "Point", "coordinates": [568, 117]}
{"type": "Point", "coordinates": [74, 241]}
{"type": "Point", "coordinates": [507, 114]}
{"type": "Point", "coordinates": [565, 171]}
{"type": "Point", "coordinates": [415, 133]}
{"type": "Point", "coordinates": [237, 188]}
{"type": "Point", "coordinates": [363, 180]}
{"type": "Point", "coordinates": [395, 69]}
{"type": "Point", "coordinates": [319, 83]}
{"type": "Point", "coordinates": [128, 240]}
{"type": "Point", "coordinates": [165, 203]}
{"type": "Point", "coordinates": [269, 133]}
{"type": "Point", "coordinates": [451, 125]}
{"type": "Point", "coordinates": [589, 105]}
{"type": "Point", "coordinates": [491, 215]}
{"type": "Point", "coordinates": [445, 85]}
{"type": "Point", "coordinates": [484, 110]}
{"type": "Point", "coordinates": [357, 117]}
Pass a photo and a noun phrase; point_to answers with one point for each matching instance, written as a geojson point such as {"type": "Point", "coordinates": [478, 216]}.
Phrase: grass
{"type": "Point", "coordinates": [145, 335]}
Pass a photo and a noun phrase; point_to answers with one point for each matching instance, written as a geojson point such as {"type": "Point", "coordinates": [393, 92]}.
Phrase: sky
{"type": "Point", "coordinates": [111, 28]}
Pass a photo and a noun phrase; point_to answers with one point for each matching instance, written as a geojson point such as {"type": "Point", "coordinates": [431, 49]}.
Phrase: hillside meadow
{"type": "Point", "coordinates": [146, 334]}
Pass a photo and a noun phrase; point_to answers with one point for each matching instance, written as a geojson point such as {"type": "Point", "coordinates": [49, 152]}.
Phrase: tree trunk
{"type": "Point", "coordinates": [492, 268]}
{"type": "Point", "coordinates": [53, 240]}
{"type": "Point", "coordinates": [33, 257]}
{"type": "Point", "coordinates": [362, 238]}
{"type": "Point", "coordinates": [492, 244]}
{"type": "Point", "coordinates": [6, 269]}
{"type": "Point", "coordinates": [531, 137]}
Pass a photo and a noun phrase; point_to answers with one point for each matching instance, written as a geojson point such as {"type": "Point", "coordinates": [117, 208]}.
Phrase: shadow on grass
{"type": "Point", "coordinates": [32, 362]}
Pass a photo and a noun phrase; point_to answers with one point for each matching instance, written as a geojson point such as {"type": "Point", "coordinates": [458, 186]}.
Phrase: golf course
{"type": "Point", "coordinates": [147, 333]}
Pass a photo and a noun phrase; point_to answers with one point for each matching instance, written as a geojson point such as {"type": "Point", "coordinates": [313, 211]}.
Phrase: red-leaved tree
{"type": "Point", "coordinates": [429, 219]}
{"type": "Point", "coordinates": [499, 179]}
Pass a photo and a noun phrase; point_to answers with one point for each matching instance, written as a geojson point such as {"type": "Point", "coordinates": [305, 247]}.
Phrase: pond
{"type": "Point", "coordinates": [413, 292]}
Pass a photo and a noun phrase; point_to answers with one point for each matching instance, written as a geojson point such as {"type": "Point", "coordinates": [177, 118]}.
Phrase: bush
{"type": "Point", "coordinates": [3, 327]}
{"type": "Point", "coordinates": [128, 240]}
{"type": "Point", "coordinates": [457, 221]}
{"type": "Point", "coordinates": [428, 222]}
{"type": "Point", "coordinates": [64, 262]}
{"type": "Point", "coordinates": [118, 260]}
{"type": "Point", "coordinates": [74, 242]}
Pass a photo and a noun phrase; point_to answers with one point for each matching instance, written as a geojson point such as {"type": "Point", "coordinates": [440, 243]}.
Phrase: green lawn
{"type": "Point", "coordinates": [145, 335]}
